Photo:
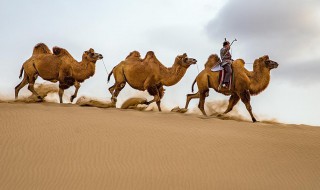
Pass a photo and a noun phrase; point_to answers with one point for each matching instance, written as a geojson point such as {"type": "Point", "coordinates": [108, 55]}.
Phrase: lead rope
{"type": "Point", "coordinates": [105, 67]}
{"type": "Point", "coordinates": [197, 67]}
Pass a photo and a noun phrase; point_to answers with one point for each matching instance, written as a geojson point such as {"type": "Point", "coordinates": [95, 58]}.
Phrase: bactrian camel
{"type": "Point", "coordinates": [57, 66]}
{"type": "Point", "coordinates": [246, 83]}
{"type": "Point", "coordinates": [148, 74]}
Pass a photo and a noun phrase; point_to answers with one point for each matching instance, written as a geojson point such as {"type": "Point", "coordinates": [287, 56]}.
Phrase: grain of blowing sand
{"type": "Point", "coordinates": [65, 146]}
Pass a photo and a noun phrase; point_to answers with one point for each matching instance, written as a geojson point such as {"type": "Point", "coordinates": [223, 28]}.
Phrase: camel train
{"type": "Point", "coordinates": [146, 73]}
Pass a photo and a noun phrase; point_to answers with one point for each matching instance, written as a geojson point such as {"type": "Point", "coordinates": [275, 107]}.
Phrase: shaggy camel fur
{"type": "Point", "coordinates": [148, 74]}
{"type": "Point", "coordinates": [246, 82]}
{"type": "Point", "coordinates": [57, 66]}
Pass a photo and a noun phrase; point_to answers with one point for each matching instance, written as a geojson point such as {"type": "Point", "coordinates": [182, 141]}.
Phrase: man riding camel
{"type": "Point", "coordinates": [226, 62]}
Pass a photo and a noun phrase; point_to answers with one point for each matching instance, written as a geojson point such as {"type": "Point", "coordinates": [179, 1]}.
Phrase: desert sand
{"type": "Point", "coordinates": [53, 146]}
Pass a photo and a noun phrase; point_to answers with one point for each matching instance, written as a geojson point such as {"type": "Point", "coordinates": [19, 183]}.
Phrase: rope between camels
{"type": "Point", "coordinates": [197, 67]}
{"type": "Point", "coordinates": [105, 67]}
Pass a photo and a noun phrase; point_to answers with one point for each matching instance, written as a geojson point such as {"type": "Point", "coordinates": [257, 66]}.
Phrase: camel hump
{"type": "Point", "coordinates": [149, 57]}
{"type": "Point", "coordinates": [151, 53]}
{"type": "Point", "coordinates": [134, 54]}
{"type": "Point", "coordinates": [41, 48]}
{"type": "Point", "coordinates": [238, 63]}
{"type": "Point", "coordinates": [57, 50]}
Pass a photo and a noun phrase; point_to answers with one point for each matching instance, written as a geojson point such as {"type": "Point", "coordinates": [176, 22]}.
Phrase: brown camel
{"type": "Point", "coordinates": [57, 66]}
{"type": "Point", "coordinates": [148, 74]}
{"type": "Point", "coordinates": [245, 83]}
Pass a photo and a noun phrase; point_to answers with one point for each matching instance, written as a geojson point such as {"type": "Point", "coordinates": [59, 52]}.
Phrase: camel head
{"type": "Point", "coordinates": [184, 61]}
{"type": "Point", "coordinates": [269, 64]}
{"type": "Point", "coordinates": [213, 59]}
{"type": "Point", "coordinates": [91, 55]}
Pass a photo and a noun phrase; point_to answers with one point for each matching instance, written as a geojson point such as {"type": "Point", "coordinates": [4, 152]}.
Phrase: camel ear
{"type": "Point", "coordinates": [182, 56]}
{"type": "Point", "coordinates": [91, 50]}
{"type": "Point", "coordinates": [266, 57]}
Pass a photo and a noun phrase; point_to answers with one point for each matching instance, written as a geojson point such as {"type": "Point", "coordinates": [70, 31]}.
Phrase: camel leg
{"type": "Point", "coordinates": [201, 102]}
{"type": "Point", "coordinates": [158, 104]}
{"type": "Point", "coordinates": [116, 92]}
{"type": "Point", "coordinates": [157, 99]}
{"type": "Point", "coordinates": [111, 89]}
{"type": "Point", "coordinates": [21, 85]}
{"type": "Point", "coordinates": [61, 90]}
{"type": "Point", "coordinates": [31, 87]}
{"type": "Point", "coordinates": [190, 97]}
{"type": "Point", "coordinates": [234, 99]}
{"type": "Point", "coordinates": [245, 98]}
{"type": "Point", "coordinates": [77, 86]}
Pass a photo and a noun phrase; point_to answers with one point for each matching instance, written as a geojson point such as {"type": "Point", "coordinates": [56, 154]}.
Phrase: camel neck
{"type": "Point", "coordinates": [171, 76]}
{"type": "Point", "coordinates": [260, 78]}
{"type": "Point", "coordinates": [83, 70]}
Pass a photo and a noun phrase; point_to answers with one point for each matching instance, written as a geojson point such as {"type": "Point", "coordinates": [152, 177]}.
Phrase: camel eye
{"type": "Point", "coordinates": [267, 62]}
{"type": "Point", "coordinates": [92, 54]}
{"type": "Point", "coordinates": [185, 59]}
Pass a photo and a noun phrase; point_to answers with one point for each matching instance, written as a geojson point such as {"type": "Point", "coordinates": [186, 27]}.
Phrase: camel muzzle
{"type": "Point", "coordinates": [274, 65]}
{"type": "Point", "coordinates": [100, 56]}
{"type": "Point", "coordinates": [193, 61]}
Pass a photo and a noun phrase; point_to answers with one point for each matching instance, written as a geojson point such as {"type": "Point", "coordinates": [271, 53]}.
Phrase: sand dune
{"type": "Point", "coordinates": [53, 146]}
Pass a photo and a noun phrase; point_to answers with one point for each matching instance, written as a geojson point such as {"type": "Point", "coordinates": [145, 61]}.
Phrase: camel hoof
{"type": "Point", "coordinates": [72, 98]}
{"type": "Point", "coordinates": [39, 99]}
{"type": "Point", "coordinates": [204, 114]}
{"type": "Point", "coordinates": [114, 100]}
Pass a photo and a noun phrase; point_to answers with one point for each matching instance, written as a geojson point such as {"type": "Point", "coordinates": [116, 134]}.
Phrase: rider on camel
{"type": "Point", "coordinates": [226, 62]}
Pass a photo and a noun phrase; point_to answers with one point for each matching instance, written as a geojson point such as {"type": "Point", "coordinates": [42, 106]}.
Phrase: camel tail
{"type": "Point", "coordinates": [194, 82]}
{"type": "Point", "coordinates": [41, 48]}
{"type": "Point", "coordinates": [21, 72]}
{"type": "Point", "coordinates": [109, 76]}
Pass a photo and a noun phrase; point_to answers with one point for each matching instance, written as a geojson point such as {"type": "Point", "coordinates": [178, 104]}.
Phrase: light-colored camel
{"type": "Point", "coordinates": [246, 83]}
{"type": "Point", "coordinates": [57, 66]}
{"type": "Point", "coordinates": [148, 74]}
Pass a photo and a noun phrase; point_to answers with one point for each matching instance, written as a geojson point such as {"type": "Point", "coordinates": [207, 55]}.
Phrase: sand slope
{"type": "Point", "coordinates": [52, 146]}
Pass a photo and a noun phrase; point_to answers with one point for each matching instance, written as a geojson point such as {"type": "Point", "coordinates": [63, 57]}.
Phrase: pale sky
{"type": "Point", "coordinates": [288, 31]}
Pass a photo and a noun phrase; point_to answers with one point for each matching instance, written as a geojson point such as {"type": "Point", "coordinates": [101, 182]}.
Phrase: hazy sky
{"type": "Point", "coordinates": [286, 30]}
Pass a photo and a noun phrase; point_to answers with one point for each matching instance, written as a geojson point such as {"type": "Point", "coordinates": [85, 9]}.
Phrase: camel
{"type": "Point", "coordinates": [57, 66]}
{"type": "Point", "coordinates": [246, 83]}
{"type": "Point", "coordinates": [148, 74]}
